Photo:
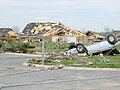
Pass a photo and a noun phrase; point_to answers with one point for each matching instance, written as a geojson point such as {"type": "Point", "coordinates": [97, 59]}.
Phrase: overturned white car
{"type": "Point", "coordinates": [105, 47]}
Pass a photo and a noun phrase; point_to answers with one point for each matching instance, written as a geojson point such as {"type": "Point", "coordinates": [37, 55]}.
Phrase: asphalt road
{"type": "Point", "coordinates": [15, 76]}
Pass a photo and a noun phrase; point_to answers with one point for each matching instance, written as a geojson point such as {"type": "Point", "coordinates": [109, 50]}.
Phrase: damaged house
{"type": "Point", "coordinates": [93, 37]}
{"type": "Point", "coordinates": [55, 32]}
{"type": "Point", "coordinates": [62, 33]}
{"type": "Point", "coordinates": [7, 34]}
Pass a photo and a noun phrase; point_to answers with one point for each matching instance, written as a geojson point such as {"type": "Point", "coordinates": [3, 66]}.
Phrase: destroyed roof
{"type": "Point", "coordinates": [93, 34]}
{"type": "Point", "coordinates": [36, 28]}
{"type": "Point", "coordinates": [7, 31]}
{"type": "Point", "coordinates": [12, 33]}
{"type": "Point", "coordinates": [50, 29]}
{"type": "Point", "coordinates": [29, 27]}
{"type": "Point", "coordinates": [62, 30]}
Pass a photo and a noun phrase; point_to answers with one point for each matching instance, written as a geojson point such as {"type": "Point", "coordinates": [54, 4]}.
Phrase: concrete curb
{"type": "Point", "coordinates": [97, 69]}
{"type": "Point", "coordinates": [67, 68]}
{"type": "Point", "coordinates": [74, 68]}
{"type": "Point", "coordinates": [21, 54]}
{"type": "Point", "coordinates": [36, 65]}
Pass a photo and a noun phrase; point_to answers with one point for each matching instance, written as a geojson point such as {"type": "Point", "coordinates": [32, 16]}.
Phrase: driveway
{"type": "Point", "coordinates": [15, 76]}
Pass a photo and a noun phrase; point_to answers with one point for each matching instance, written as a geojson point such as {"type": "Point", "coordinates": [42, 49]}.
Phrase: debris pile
{"type": "Point", "coordinates": [34, 60]}
{"type": "Point", "coordinates": [7, 31]}
{"type": "Point", "coordinates": [12, 33]}
{"type": "Point", "coordinates": [50, 29]}
{"type": "Point", "coordinates": [59, 29]}
{"type": "Point", "coordinates": [56, 67]}
{"type": "Point", "coordinates": [93, 35]}
{"type": "Point", "coordinates": [89, 63]}
{"type": "Point", "coordinates": [53, 32]}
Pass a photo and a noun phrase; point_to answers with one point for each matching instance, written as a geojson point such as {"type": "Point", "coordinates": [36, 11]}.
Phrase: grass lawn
{"type": "Point", "coordinates": [87, 61]}
{"type": "Point", "coordinates": [93, 62]}
{"type": "Point", "coordinates": [106, 62]}
{"type": "Point", "coordinates": [51, 46]}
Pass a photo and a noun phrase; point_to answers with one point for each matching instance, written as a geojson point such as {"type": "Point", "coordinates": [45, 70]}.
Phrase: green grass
{"type": "Point", "coordinates": [48, 46]}
{"type": "Point", "coordinates": [98, 62]}
{"type": "Point", "coordinates": [114, 62]}
{"type": "Point", "coordinates": [118, 47]}
{"type": "Point", "coordinates": [51, 47]}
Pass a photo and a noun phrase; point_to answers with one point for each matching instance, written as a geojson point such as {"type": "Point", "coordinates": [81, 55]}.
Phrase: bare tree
{"type": "Point", "coordinates": [16, 29]}
{"type": "Point", "coordinates": [107, 29]}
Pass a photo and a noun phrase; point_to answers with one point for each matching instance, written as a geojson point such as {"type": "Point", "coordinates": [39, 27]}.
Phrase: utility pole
{"type": "Point", "coordinates": [43, 58]}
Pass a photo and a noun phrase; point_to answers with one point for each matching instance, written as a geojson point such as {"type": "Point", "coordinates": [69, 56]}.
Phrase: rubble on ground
{"type": "Point", "coordinates": [93, 35]}
{"type": "Point", "coordinates": [56, 67]}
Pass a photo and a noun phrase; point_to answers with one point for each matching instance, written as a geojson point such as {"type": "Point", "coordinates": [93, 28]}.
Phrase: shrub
{"type": "Point", "coordinates": [11, 49]}
{"type": "Point", "coordinates": [1, 44]}
{"type": "Point", "coordinates": [23, 49]}
{"type": "Point", "coordinates": [17, 46]}
{"type": "Point", "coordinates": [25, 45]}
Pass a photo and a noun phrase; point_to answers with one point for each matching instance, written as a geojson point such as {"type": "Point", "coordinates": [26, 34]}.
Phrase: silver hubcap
{"type": "Point", "coordinates": [80, 48]}
{"type": "Point", "coordinates": [111, 38]}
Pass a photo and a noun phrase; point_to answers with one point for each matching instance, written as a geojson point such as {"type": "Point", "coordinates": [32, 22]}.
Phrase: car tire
{"type": "Point", "coordinates": [81, 48]}
{"type": "Point", "coordinates": [112, 39]}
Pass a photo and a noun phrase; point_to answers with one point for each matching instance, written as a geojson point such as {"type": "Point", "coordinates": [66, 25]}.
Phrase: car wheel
{"type": "Point", "coordinates": [81, 48]}
{"type": "Point", "coordinates": [112, 39]}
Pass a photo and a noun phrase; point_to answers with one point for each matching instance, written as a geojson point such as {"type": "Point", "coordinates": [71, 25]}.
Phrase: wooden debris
{"type": "Point", "coordinates": [89, 63]}
{"type": "Point", "coordinates": [57, 60]}
{"type": "Point", "coordinates": [56, 67]}
{"type": "Point", "coordinates": [34, 60]}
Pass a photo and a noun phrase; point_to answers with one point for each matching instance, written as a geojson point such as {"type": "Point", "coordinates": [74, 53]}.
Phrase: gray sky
{"type": "Point", "coordinates": [82, 15]}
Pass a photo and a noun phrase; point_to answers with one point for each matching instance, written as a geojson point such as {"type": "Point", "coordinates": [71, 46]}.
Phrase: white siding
{"type": "Point", "coordinates": [71, 39]}
{"type": "Point", "coordinates": [55, 39]}
{"type": "Point", "coordinates": [67, 39]}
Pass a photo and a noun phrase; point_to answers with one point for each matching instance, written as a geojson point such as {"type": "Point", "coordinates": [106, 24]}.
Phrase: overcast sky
{"type": "Point", "coordinates": [82, 15]}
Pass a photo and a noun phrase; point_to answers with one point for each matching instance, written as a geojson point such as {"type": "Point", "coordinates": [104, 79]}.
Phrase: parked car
{"type": "Point", "coordinates": [105, 47]}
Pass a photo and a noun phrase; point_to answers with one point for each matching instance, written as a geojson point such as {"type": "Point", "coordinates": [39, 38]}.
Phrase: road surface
{"type": "Point", "coordinates": [15, 76]}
